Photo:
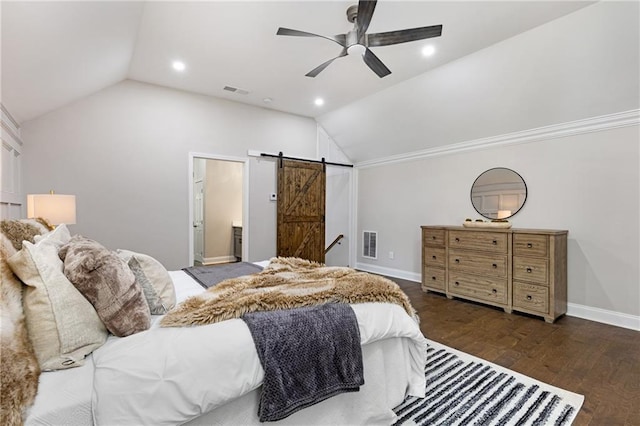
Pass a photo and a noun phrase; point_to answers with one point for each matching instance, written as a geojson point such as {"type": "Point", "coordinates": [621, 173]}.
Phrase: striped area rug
{"type": "Point", "coordinates": [465, 390]}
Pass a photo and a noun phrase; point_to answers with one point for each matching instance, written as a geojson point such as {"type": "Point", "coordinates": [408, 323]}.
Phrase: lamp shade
{"type": "Point", "coordinates": [55, 208]}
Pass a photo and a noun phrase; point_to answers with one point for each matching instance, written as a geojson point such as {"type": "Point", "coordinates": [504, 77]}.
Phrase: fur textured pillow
{"type": "Point", "coordinates": [19, 370]}
{"type": "Point", "coordinates": [108, 283]}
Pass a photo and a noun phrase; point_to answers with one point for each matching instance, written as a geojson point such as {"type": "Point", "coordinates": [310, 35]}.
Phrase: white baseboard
{"type": "Point", "coordinates": [218, 259]}
{"type": "Point", "coordinates": [604, 316]}
{"type": "Point", "coordinates": [390, 272]}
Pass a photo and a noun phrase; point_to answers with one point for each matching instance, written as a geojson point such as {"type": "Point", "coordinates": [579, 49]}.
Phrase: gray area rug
{"type": "Point", "coordinates": [465, 390]}
{"type": "Point", "coordinates": [208, 276]}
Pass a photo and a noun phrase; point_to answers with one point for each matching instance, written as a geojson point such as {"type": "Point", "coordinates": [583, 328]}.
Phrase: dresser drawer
{"type": "Point", "coordinates": [433, 278]}
{"type": "Point", "coordinates": [490, 265]}
{"type": "Point", "coordinates": [433, 237]}
{"type": "Point", "coordinates": [489, 289]}
{"type": "Point", "coordinates": [434, 256]}
{"type": "Point", "coordinates": [532, 269]}
{"type": "Point", "coordinates": [494, 242]}
{"type": "Point", "coordinates": [530, 245]}
{"type": "Point", "coordinates": [531, 297]}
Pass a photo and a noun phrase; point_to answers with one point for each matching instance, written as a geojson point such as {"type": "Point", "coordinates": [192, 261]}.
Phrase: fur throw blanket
{"type": "Point", "coordinates": [284, 284]}
{"type": "Point", "coordinates": [19, 370]}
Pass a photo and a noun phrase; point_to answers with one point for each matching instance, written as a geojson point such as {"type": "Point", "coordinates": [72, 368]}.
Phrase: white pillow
{"type": "Point", "coordinates": [154, 279]}
{"type": "Point", "coordinates": [63, 326]}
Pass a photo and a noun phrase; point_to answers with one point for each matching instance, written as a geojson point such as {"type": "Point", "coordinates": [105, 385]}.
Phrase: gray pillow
{"type": "Point", "coordinates": [154, 279]}
{"type": "Point", "coordinates": [150, 294]}
{"type": "Point", "coordinates": [108, 283]}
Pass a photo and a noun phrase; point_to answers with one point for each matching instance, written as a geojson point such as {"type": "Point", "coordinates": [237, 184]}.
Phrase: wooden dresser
{"type": "Point", "coordinates": [515, 269]}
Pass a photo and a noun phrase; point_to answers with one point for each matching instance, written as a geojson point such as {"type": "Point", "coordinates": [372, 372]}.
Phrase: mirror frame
{"type": "Point", "coordinates": [513, 212]}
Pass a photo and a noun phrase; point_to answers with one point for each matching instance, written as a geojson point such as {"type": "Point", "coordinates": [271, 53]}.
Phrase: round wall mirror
{"type": "Point", "coordinates": [498, 193]}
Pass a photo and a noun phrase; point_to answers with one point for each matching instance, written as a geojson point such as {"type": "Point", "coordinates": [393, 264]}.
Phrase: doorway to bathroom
{"type": "Point", "coordinates": [217, 209]}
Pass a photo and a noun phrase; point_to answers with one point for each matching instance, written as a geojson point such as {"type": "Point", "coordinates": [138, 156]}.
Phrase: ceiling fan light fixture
{"type": "Point", "coordinates": [356, 49]}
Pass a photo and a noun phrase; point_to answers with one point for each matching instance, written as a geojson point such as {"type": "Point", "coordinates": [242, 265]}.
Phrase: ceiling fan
{"type": "Point", "coordinates": [361, 15]}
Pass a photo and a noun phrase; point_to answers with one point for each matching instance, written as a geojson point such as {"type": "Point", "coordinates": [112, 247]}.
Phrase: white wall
{"type": "Point", "coordinates": [582, 65]}
{"type": "Point", "coordinates": [428, 138]}
{"type": "Point", "coordinates": [10, 166]}
{"type": "Point", "coordinates": [339, 202]}
{"type": "Point", "coordinates": [124, 153]}
{"type": "Point", "coordinates": [587, 184]}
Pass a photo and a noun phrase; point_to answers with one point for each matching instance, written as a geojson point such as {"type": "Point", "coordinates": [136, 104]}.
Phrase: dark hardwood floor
{"type": "Point", "coordinates": [596, 360]}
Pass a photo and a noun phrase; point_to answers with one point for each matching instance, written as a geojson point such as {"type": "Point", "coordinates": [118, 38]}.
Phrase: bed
{"type": "Point", "coordinates": [212, 375]}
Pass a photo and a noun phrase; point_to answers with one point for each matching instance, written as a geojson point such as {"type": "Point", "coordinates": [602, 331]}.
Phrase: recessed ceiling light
{"type": "Point", "coordinates": [428, 50]}
{"type": "Point", "coordinates": [267, 100]}
{"type": "Point", "coordinates": [178, 65]}
{"type": "Point", "coordinates": [319, 101]}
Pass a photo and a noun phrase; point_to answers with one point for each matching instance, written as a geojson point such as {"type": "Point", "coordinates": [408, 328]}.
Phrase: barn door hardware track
{"type": "Point", "coordinates": [281, 157]}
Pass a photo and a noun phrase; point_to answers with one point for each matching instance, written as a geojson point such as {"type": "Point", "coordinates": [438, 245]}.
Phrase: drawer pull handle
{"type": "Point", "coordinates": [433, 237]}
{"type": "Point", "coordinates": [494, 242]}
{"type": "Point", "coordinates": [457, 283]}
{"type": "Point", "coordinates": [457, 260]}
{"type": "Point", "coordinates": [495, 266]}
{"type": "Point", "coordinates": [529, 245]}
{"type": "Point", "coordinates": [433, 278]}
{"type": "Point", "coordinates": [529, 270]}
{"type": "Point", "coordinates": [433, 257]}
{"type": "Point", "coordinates": [457, 240]}
{"type": "Point", "coordinates": [494, 291]}
{"type": "Point", "coordinates": [529, 297]}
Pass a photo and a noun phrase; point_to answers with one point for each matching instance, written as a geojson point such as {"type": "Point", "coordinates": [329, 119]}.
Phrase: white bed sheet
{"type": "Point", "coordinates": [66, 397]}
{"type": "Point", "coordinates": [371, 405]}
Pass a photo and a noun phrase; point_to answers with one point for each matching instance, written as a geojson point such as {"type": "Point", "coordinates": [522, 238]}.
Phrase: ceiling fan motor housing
{"type": "Point", "coordinates": [351, 39]}
{"type": "Point", "coordinates": [352, 13]}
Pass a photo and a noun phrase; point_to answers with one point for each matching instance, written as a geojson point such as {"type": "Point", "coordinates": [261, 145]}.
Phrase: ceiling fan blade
{"type": "Point", "coordinates": [340, 39]}
{"type": "Point", "coordinates": [375, 64]}
{"type": "Point", "coordinates": [403, 36]}
{"type": "Point", "coordinates": [365, 13]}
{"type": "Point", "coordinates": [314, 72]}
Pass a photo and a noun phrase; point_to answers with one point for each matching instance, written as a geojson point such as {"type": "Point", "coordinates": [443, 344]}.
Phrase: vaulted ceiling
{"type": "Point", "coordinates": [54, 53]}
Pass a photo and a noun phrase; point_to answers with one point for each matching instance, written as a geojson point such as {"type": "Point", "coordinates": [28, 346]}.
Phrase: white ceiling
{"type": "Point", "coordinates": [54, 53]}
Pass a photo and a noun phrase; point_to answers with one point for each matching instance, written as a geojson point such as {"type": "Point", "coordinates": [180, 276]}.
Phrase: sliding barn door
{"type": "Point", "coordinates": [301, 198]}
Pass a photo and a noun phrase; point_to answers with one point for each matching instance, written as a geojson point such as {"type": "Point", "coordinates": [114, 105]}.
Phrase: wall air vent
{"type": "Point", "coordinates": [370, 244]}
{"type": "Point", "coordinates": [235, 90]}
